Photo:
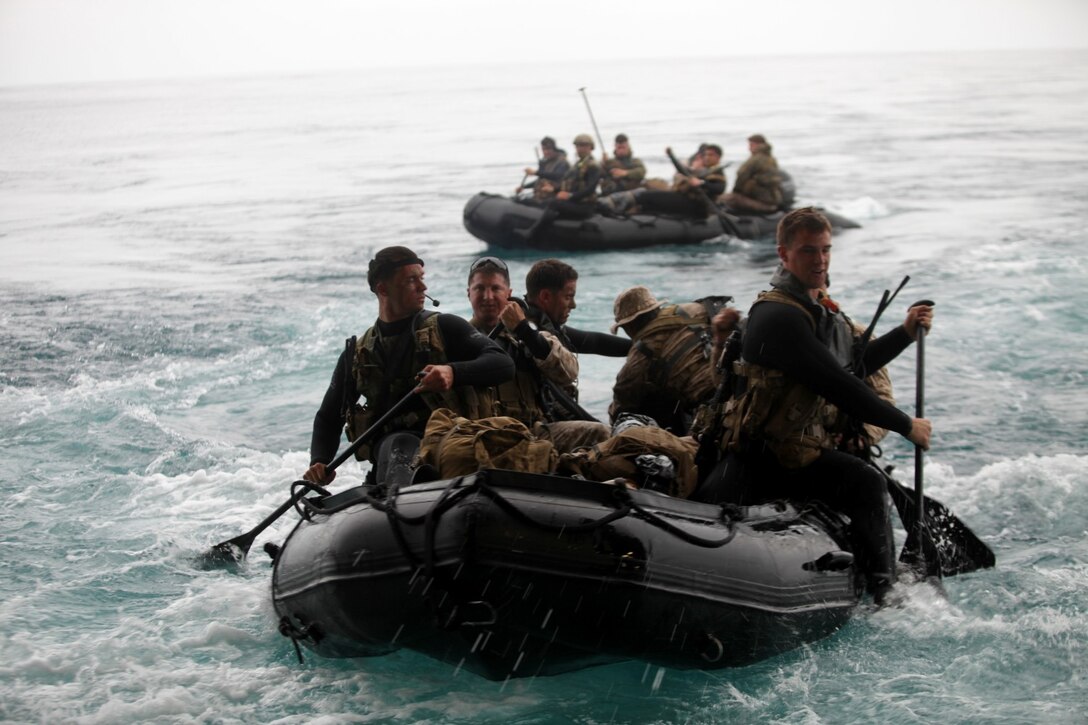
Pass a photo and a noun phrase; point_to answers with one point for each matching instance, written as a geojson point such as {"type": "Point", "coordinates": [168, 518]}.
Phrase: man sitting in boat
{"type": "Point", "coordinates": [796, 355]}
{"type": "Point", "coordinates": [577, 195]}
{"type": "Point", "coordinates": [549, 173]}
{"type": "Point", "coordinates": [440, 356]}
{"type": "Point", "coordinates": [758, 186]}
{"type": "Point", "coordinates": [666, 375]}
{"type": "Point", "coordinates": [550, 288]}
{"type": "Point", "coordinates": [693, 191]}
{"type": "Point", "coordinates": [541, 361]}
{"type": "Point", "coordinates": [622, 172]}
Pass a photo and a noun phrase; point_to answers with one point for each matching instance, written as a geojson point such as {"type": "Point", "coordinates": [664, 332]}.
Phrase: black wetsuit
{"type": "Point", "coordinates": [580, 341]}
{"type": "Point", "coordinates": [475, 359]}
{"type": "Point", "coordinates": [780, 336]}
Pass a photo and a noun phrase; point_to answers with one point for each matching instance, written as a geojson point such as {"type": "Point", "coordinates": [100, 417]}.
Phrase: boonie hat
{"type": "Point", "coordinates": [631, 303]}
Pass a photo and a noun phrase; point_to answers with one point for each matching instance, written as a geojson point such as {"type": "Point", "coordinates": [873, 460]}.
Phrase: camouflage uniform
{"type": "Point", "coordinates": [581, 181]}
{"type": "Point", "coordinates": [636, 172]}
{"type": "Point", "coordinates": [521, 397]}
{"type": "Point", "coordinates": [666, 374]}
{"type": "Point", "coordinates": [549, 175]}
{"type": "Point", "coordinates": [758, 186]}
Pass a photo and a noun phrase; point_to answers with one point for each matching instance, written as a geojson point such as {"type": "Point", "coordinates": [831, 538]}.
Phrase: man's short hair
{"type": "Point", "coordinates": [386, 262]}
{"type": "Point", "coordinates": [550, 274]}
{"type": "Point", "coordinates": [713, 147]}
{"type": "Point", "coordinates": [805, 219]}
{"type": "Point", "coordinates": [547, 143]}
{"type": "Point", "coordinates": [758, 138]}
{"type": "Point", "coordinates": [621, 138]}
{"type": "Point", "coordinates": [489, 265]}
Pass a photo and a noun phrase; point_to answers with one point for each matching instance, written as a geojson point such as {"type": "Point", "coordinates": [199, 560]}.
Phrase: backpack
{"type": "Point", "coordinates": [457, 446]}
{"type": "Point", "coordinates": [618, 457]}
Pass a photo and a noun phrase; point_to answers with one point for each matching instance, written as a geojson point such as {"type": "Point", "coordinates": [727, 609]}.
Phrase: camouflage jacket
{"type": "Point", "coordinates": [758, 178]}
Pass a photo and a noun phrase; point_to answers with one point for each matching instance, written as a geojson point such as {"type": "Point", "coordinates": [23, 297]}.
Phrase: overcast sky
{"type": "Point", "coordinates": [49, 41]}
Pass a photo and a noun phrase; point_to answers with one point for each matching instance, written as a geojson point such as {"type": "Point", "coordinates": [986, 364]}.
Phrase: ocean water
{"type": "Point", "coordinates": [181, 261]}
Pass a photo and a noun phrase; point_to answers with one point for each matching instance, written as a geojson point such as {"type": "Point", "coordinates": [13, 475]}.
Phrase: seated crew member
{"type": "Point", "coordinates": [441, 356]}
{"type": "Point", "coordinates": [540, 360]}
{"type": "Point", "coordinates": [666, 375]}
{"type": "Point", "coordinates": [550, 288]}
{"type": "Point", "coordinates": [549, 173]}
{"type": "Point", "coordinates": [758, 186]}
{"type": "Point", "coordinates": [622, 172]}
{"type": "Point", "coordinates": [796, 353]}
{"type": "Point", "coordinates": [692, 194]}
{"type": "Point", "coordinates": [577, 195]}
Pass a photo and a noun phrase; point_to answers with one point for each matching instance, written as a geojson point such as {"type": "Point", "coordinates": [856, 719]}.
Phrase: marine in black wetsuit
{"type": "Point", "coordinates": [442, 357]}
{"type": "Point", "coordinates": [474, 359]}
{"type": "Point", "coordinates": [550, 288]}
{"type": "Point", "coordinates": [796, 353]}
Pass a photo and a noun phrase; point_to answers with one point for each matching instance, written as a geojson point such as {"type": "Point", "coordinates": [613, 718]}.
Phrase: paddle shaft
{"type": "Point", "coordinates": [592, 120]}
{"type": "Point", "coordinates": [728, 226]}
{"type": "Point", "coordinates": [919, 408]}
{"type": "Point", "coordinates": [244, 541]}
{"type": "Point", "coordinates": [558, 393]}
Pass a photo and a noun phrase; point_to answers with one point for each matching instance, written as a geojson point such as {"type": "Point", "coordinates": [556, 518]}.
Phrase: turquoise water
{"type": "Point", "coordinates": [180, 263]}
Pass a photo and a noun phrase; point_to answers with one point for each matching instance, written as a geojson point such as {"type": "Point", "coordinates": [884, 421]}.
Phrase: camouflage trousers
{"type": "Point", "coordinates": [566, 435]}
{"type": "Point", "coordinates": [740, 203]}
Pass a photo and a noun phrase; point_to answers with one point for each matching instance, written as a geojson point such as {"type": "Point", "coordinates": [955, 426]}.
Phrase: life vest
{"type": "Point", "coordinates": [575, 180]}
{"type": "Point", "coordinates": [385, 368]}
{"type": "Point", "coordinates": [777, 411]}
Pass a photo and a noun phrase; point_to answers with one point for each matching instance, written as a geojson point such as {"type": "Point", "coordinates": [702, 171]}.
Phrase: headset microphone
{"type": "Point", "coordinates": [432, 299]}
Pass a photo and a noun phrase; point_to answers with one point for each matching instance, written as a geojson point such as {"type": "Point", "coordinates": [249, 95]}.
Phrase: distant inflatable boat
{"type": "Point", "coordinates": [501, 222]}
{"type": "Point", "coordinates": [511, 575]}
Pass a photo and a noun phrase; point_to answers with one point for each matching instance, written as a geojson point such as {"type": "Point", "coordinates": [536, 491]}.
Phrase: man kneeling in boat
{"type": "Point", "coordinates": [666, 375]}
{"type": "Point", "coordinates": [796, 356]}
{"type": "Point", "coordinates": [758, 186]}
{"type": "Point", "coordinates": [440, 356]}
{"type": "Point", "coordinates": [542, 363]}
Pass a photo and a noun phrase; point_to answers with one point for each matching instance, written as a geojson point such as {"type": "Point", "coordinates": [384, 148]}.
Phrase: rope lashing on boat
{"type": "Point", "coordinates": [295, 633]}
{"type": "Point", "coordinates": [456, 490]}
{"type": "Point", "coordinates": [304, 509]}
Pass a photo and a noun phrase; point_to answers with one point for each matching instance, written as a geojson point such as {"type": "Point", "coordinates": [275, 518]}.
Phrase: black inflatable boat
{"type": "Point", "coordinates": [501, 221]}
{"type": "Point", "coordinates": [511, 574]}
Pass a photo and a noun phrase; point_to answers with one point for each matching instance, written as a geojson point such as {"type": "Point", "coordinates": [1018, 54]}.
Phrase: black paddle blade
{"type": "Point", "coordinates": [946, 540]}
{"type": "Point", "coordinates": [226, 554]}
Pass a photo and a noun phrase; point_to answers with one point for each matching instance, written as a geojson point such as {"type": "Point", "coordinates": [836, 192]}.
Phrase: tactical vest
{"type": "Point", "coordinates": [519, 398]}
{"type": "Point", "coordinates": [384, 382]}
{"type": "Point", "coordinates": [775, 410]}
{"type": "Point", "coordinates": [624, 183]}
{"type": "Point", "coordinates": [690, 332]}
{"type": "Point", "coordinates": [575, 180]}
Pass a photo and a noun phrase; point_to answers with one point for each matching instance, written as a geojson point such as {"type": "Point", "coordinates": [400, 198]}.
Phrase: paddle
{"type": "Point", "coordinates": [948, 546]}
{"type": "Point", "coordinates": [727, 224]}
{"type": "Point", "coordinates": [234, 550]}
{"type": "Point", "coordinates": [525, 178]}
{"type": "Point", "coordinates": [592, 120]}
{"type": "Point", "coordinates": [938, 544]}
{"type": "Point", "coordinates": [919, 452]}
